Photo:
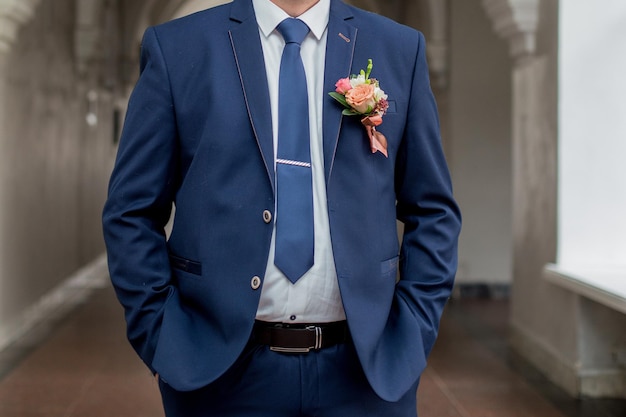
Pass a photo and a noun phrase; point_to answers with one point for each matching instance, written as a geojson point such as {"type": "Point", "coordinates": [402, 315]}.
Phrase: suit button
{"type": "Point", "coordinates": [267, 216]}
{"type": "Point", "coordinates": [255, 283]}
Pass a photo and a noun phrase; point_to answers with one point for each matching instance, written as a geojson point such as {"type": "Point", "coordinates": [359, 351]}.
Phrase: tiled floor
{"type": "Point", "coordinates": [84, 367]}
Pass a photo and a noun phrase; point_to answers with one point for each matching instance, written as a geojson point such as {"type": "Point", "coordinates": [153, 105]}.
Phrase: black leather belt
{"type": "Point", "coordinates": [300, 338]}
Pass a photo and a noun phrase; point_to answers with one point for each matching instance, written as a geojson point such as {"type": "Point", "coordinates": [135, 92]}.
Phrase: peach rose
{"type": "Point", "coordinates": [343, 86]}
{"type": "Point", "coordinates": [361, 98]}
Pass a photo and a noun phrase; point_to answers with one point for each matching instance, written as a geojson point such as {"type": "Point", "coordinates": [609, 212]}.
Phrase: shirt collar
{"type": "Point", "coordinates": [269, 15]}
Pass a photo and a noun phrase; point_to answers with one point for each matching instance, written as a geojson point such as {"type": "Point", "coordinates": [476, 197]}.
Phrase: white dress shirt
{"type": "Point", "coordinates": [315, 297]}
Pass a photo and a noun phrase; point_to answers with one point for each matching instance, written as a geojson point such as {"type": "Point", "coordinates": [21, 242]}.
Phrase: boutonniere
{"type": "Point", "coordinates": [362, 96]}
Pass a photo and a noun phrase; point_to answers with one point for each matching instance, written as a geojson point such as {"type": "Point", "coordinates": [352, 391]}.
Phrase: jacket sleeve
{"type": "Point", "coordinates": [431, 217]}
{"type": "Point", "coordinates": [140, 201]}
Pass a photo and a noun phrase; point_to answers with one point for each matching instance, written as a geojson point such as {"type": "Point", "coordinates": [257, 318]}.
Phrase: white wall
{"type": "Point", "coordinates": [480, 143]}
{"type": "Point", "coordinates": [592, 125]}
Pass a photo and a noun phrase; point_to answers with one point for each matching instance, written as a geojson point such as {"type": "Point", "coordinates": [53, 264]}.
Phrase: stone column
{"type": "Point", "coordinates": [438, 42]}
{"type": "Point", "coordinates": [543, 328]}
{"type": "Point", "coordinates": [3, 165]}
{"type": "Point", "coordinates": [13, 14]}
{"type": "Point", "coordinates": [573, 341]}
{"type": "Point", "coordinates": [516, 21]}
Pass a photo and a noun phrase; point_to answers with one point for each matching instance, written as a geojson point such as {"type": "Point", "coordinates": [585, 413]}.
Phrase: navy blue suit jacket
{"type": "Point", "coordinates": [198, 133]}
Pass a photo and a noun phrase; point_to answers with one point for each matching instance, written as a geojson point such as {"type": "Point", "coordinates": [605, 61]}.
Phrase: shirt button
{"type": "Point", "coordinates": [267, 216]}
{"type": "Point", "coordinates": [255, 283]}
{"type": "Point", "coordinates": [292, 318]}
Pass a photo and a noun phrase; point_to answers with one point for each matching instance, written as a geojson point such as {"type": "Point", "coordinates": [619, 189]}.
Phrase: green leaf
{"type": "Point", "coordinates": [340, 98]}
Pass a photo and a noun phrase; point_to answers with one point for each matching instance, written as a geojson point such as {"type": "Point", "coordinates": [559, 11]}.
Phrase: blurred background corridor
{"type": "Point", "coordinates": [531, 99]}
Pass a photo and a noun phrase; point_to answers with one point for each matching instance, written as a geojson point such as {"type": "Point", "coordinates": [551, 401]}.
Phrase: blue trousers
{"type": "Point", "coordinates": [262, 383]}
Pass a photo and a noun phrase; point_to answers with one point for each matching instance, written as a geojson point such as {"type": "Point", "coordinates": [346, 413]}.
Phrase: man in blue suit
{"type": "Point", "coordinates": [225, 312]}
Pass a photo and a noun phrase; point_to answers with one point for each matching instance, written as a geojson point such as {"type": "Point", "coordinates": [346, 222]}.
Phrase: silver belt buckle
{"type": "Point", "coordinates": [317, 346]}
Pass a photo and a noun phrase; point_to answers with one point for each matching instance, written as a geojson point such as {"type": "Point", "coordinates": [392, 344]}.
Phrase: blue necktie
{"type": "Point", "coordinates": [294, 216]}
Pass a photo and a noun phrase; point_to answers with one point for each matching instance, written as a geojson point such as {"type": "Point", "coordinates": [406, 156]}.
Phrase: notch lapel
{"type": "Point", "coordinates": [246, 44]}
{"type": "Point", "coordinates": [339, 54]}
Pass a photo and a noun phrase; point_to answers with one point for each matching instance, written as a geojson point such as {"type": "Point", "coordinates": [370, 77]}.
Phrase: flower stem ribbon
{"type": "Point", "coordinates": [378, 141]}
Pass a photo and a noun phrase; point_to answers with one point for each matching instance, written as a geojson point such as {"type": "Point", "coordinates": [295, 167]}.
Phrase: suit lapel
{"type": "Point", "coordinates": [248, 52]}
{"type": "Point", "coordinates": [339, 55]}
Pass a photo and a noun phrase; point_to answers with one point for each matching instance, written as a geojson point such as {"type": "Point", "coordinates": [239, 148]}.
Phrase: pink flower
{"type": "Point", "coordinates": [382, 106]}
{"type": "Point", "coordinates": [343, 86]}
{"type": "Point", "coordinates": [361, 98]}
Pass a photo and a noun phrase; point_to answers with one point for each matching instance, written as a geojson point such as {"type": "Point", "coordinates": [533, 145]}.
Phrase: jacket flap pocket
{"type": "Point", "coordinates": [186, 265]}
